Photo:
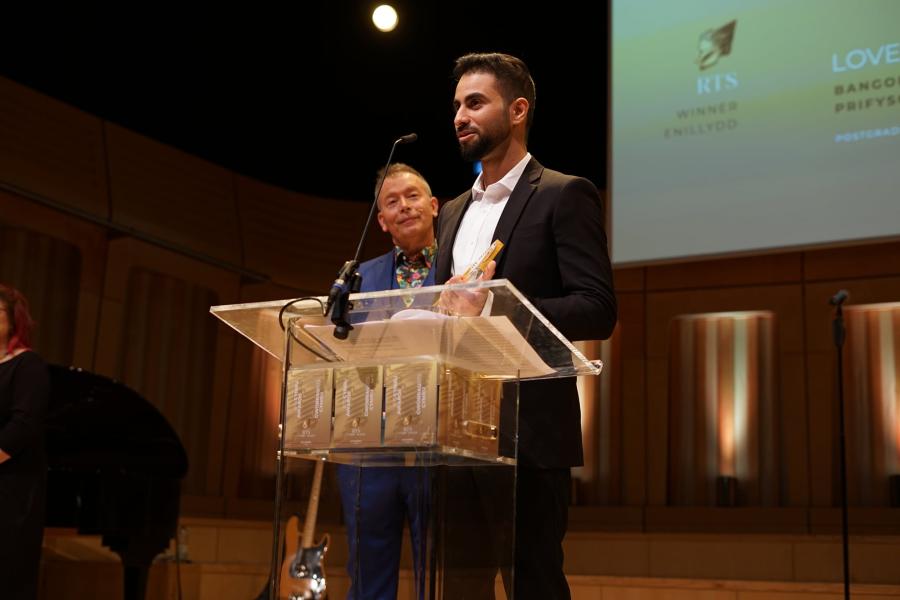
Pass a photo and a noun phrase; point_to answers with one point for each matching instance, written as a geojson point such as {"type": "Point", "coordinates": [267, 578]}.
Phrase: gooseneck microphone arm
{"type": "Point", "coordinates": [406, 139]}
{"type": "Point", "coordinates": [349, 280]}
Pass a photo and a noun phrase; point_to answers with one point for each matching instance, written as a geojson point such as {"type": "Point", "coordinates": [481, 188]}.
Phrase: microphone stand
{"type": "Point", "coordinates": [838, 333]}
{"type": "Point", "coordinates": [349, 280]}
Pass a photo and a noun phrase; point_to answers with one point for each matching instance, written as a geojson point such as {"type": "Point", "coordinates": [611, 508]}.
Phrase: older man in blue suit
{"type": "Point", "coordinates": [378, 501]}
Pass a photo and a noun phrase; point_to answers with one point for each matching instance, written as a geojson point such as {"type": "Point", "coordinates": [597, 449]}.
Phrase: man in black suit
{"type": "Point", "coordinates": [555, 252]}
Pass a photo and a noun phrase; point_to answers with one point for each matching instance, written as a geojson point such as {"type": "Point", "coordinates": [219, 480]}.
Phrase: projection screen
{"type": "Point", "coordinates": [746, 125]}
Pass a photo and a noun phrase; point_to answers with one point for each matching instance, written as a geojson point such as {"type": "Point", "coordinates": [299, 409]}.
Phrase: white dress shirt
{"type": "Point", "coordinates": [480, 220]}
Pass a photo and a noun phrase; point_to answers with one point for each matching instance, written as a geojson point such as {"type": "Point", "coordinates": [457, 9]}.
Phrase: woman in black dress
{"type": "Point", "coordinates": [24, 392]}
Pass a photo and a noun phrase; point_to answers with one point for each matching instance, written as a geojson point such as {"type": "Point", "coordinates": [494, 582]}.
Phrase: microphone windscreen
{"type": "Point", "coordinates": [839, 297]}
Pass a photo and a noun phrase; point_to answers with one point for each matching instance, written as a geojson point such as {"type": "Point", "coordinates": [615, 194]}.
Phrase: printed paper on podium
{"type": "Point", "coordinates": [478, 344]}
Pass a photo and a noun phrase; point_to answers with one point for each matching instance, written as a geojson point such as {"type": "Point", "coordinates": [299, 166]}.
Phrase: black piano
{"type": "Point", "coordinates": [115, 469]}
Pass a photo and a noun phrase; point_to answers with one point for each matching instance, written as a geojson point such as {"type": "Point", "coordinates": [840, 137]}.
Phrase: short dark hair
{"type": "Point", "coordinates": [396, 169]}
{"type": "Point", "coordinates": [20, 321]}
{"type": "Point", "coordinates": [512, 74]}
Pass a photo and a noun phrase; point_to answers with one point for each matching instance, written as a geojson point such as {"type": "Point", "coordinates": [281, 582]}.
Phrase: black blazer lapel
{"type": "Point", "coordinates": [451, 217]}
{"type": "Point", "coordinates": [519, 197]}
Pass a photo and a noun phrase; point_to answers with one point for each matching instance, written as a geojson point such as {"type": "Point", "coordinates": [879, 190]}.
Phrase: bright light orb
{"type": "Point", "coordinates": [385, 17]}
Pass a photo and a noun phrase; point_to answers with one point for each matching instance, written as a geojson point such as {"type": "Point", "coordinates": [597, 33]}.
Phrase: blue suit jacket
{"type": "Point", "coordinates": [380, 274]}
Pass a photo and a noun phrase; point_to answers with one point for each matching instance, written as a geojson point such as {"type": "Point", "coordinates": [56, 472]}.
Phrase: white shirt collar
{"type": "Point", "coordinates": [508, 181]}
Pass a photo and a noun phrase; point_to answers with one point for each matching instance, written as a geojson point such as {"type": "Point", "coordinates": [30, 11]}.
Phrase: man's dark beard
{"type": "Point", "coordinates": [488, 139]}
{"type": "Point", "coordinates": [476, 150]}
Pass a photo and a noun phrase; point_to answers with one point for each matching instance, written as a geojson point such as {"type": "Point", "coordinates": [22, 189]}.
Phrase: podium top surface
{"type": "Point", "coordinates": [509, 339]}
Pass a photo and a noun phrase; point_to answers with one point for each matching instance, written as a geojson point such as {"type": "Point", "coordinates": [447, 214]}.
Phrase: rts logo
{"type": "Point", "coordinates": [712, 45]}
{"type": "Point", "coordinates": [711, 84]}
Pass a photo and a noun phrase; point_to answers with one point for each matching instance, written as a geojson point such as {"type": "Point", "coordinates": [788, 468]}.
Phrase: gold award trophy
{"type": "Point", "coordinates": [357, 407]}
{"type": "Point", "coordinates": [410, 405]}
{"type": "Point", "coordinates": [308, 418]}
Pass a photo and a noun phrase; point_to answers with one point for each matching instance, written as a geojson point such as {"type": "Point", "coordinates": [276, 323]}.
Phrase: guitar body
{"type": "Point", "coordinates": [303, 568]}
{"type": "Point", "coordinates": [303, 573]}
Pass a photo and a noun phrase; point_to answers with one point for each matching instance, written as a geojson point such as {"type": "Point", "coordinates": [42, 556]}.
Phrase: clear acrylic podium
{"type": "Point", "coordinates": [415, 395]}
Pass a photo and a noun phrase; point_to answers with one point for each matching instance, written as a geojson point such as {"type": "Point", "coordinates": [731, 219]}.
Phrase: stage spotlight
{"type": "Point", "coordinates": [385, 17]}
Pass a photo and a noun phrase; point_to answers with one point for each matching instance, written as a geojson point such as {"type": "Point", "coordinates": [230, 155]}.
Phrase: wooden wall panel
{"type": "Point", "coordinates": [206, 438]}
{"type": "Point", "coordinates": [171, 195]}
{"type": "Point", "coordinates": [51, 149]}
{"type": "Point", "coordinates": [632, 315]}
{"type": "Point", "coordinates": [819, 313]}
{"type": "Point", "coordinates": [90, 240]}
{"type": "Point", "coordinates": [616, 445]}
{"type": "Point", "coordinates": [637, 442]}
{"type": "Point", "coordinates": [599, 480]}
{"type": "Point", "coordinates": [787, 303]}
{"type": "Point", "coordinates": [872, 401]}
{"type": "Point", "coordinates": [47, 271]}
{"type": "Point", "coordinates": [260, 382]}
{"type": "Point", "coordinates": [249, 475]}
{"type": "Point", "coordinates": [167, 355]}
{"type": "Point", "coordinates": [784, 300]}
{"type": "Point", "coordinates": [822, 417]}
{"type": "Point", "coordinates": [722, 408]}
{"type": "Point", "coordinates": [629, 280]}
{"type": "Point", "coordinates": [246, 401]}
{"type": "Point", "coordinates": [865, 260]}
{"type": "Point", "coordinates": [794, 424]}
{"type": "Point", "coordinates": [822, 374]}
{"type": "Point", "coordinates": [742, 271]}
{"type": "Point", "coordinates": [657, 401]}
{"type": "Point", "coordinates": [301, 241]}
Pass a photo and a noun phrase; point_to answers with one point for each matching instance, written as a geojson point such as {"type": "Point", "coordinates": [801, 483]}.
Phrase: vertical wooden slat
{"type": "Point", "coordinates": [871, 400]}
{"type": "Point", "coordinates": [721, 406]}
{"type": "Point", "coordinates": [48, 272]}
{"type": "Point", "coordinates": [167, 356]}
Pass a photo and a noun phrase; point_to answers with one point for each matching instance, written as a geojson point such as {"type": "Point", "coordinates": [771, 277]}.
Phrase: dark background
{"type": "Point", "coordinates": [311, 99]}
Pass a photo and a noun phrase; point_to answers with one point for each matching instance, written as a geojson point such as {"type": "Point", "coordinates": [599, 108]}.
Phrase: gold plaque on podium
{"type": "Point", "coordinates": [470, 411]}
{"type": "Point", "coordinates": [357, 407]}
{"type": "Point", "coordinates": [450, 417]}
{"type": "Point", "coordinates": [307, 420]}
{"type": "Point", "coordinates": [410, 404]}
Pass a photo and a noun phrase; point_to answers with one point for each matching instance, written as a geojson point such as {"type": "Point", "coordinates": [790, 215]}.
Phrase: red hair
{"type": "Point", "coordinates": [20, 322]}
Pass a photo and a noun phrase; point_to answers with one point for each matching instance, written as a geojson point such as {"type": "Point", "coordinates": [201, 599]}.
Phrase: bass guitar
{"type": "Point", "coordinates": [303, 569]}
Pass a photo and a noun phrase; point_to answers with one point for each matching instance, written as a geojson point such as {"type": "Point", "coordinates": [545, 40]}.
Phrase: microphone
{"type": "Point", "coordinates": [349, 280]}
{"type": "Point", "coordinates": [839, 298]}
{"type": "Point", "coordinates": [837, 326]}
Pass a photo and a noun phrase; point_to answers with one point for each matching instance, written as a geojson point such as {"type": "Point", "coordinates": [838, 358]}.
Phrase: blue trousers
{"type": "Point", "coordinates": [377, 501]}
